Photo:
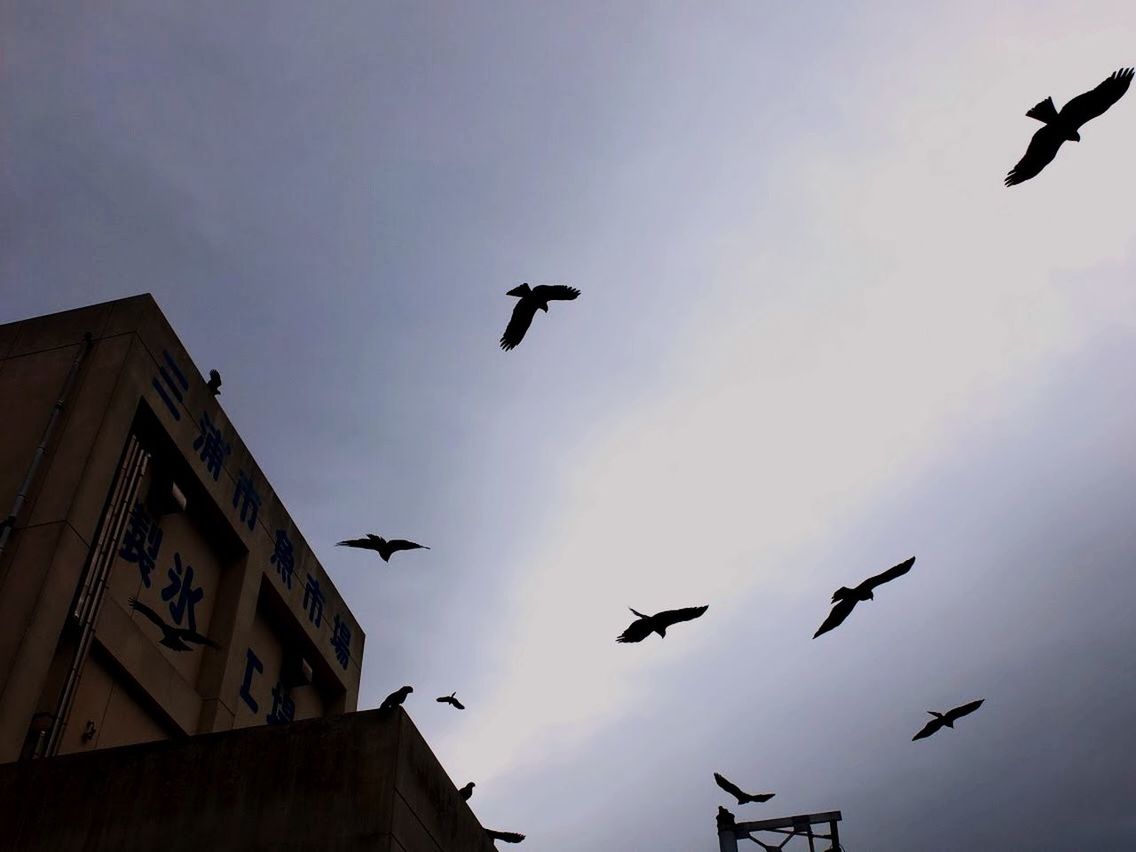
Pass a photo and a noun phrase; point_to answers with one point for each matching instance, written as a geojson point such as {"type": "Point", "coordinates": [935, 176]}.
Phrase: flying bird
{"type": "Point", "coordinates": [947, 719]}
{"type": "Point", "coordinates": [380, 545]}
{"type": "Point", "coordinates": [466, 791]}
{"type": "Point", "coordinates": [173, 637]}
{"type": "Point", "coordinates": [396, 698]}
{"type": "Point", "coordinates": [1062, 126]}
{"type": "Point", "coordinates": [846, 599]}
{"type": "Point", "coordinates": [531, 300]}
{"type": "Point", "coordinates": [214, 383]}
{"type": "Point", "coordinates": [449, 699]}
{"type": "Point", "coordinates": [737, 792]}
{"type": "Point", "coordinates": [645, 625]}
{"type": "Point", "coordinates": [507, 836]}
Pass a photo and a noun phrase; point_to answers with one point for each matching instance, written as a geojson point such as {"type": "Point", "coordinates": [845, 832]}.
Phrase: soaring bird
{"type": "Point", "coordinates": [737, 792]}
{"type": "Point", "coordinates": [658, 623]}
{"type": "Point", "coordinates": [396, 698]}
{"type": "Point", "coordinates": [466, 791]}
{"type": "Point", "coordinates": [214, 383]}
{"type": "Point", "coordinates": [173, 637]}
{"type": "Point", "coordinates": [531, 300]}
{"type": "Point", "coordinates": [846, 599]}
{"type": "Point", "coordinates": [381, 545]}
{"type": "Point", "coordinates": [449, 699]}
{"type": "Point", "coordinates": [947, 719]}
{"type": "Point", "coordinates": [1062, 126]}
{"type": "Point", "coordinates": [507, 836]}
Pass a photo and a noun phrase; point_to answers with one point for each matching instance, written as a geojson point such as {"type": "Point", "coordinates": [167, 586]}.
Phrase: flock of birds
{"type": "Point", "coordinates": [1058, 127]}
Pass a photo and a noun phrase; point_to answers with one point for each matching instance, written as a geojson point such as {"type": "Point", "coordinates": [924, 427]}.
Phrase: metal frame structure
{"type": "Point", "coordinates": [801, 825]}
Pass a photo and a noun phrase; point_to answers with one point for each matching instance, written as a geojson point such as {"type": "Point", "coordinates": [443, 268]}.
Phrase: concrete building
{"type": "Point", "coordinates": [152, 587]}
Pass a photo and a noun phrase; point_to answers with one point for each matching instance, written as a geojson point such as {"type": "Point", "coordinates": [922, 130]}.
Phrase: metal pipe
{"type": "Point", "coordinates": [25, 487]}
{"type": "Point", "coordinates": [89, 594]}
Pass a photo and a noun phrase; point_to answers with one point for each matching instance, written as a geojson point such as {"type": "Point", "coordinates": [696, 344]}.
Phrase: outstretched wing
{"type": "Point", "coordinates": [555, 291]}
{"type": "Point", "coordinates": [1095, 102]}
{"type": "Point", "coordinates": [928, 729]}
{"type": "Point", "coordinates": [457, 703]}
{"type": "Point", "coordinates": [138, 606]}
{"type": "Point", "coordinates": [964, 710]}
{"type": "Point", "coordinates": [193, 636]}
{"type": "Point", "coordinates": [1041, 151]}
{"type": "Point", "coordinates": [365, 543]}
{"type": "Point", "coordinates": [888, 575]}
{"type": "Point", "coordinates": [507, 836]}
{"type": "Point", "coordinates": [731, 788]}
{"type": "Point", "coordinates": [639, 630]}
{"type": "Point", "coordinates": [674, 616]}
{"type": "Point", "coordinates": [396, 544]}
{"type": "Point", "coordinates": [835, 618]}
{"type": "Point", "coordinates": [519, 322]}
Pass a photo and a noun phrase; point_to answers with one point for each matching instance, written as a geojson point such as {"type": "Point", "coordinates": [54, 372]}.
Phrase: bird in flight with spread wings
{"type": "Point", "coordinates": [739, 794]}
{"type": "Point", "coordinates": [174, 638]}
{"type": "Point", "coordinates": [507, 836]}
{"type": "Point", "coordinates": [531, 300]}
{"type": "Point", "coordinates": [948, 719]}
{"type": "Point", "coordinates": [645, 625]}
{"type": "Point", "coordinates": [385, 548]}
{"type": "Point", "coordinates": [450, 699]}
{"type": "Point", "coordinates": [1063, 126]}
{"type": "Point", "coordinates": [845, 599]}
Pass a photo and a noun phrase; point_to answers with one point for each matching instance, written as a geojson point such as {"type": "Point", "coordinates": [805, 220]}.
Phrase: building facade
{"type": "Point", "coordinates": [152, 586]}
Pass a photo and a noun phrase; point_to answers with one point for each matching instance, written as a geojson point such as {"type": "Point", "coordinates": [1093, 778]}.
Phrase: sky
{"type": "Point", "coordinates": [816, 336]}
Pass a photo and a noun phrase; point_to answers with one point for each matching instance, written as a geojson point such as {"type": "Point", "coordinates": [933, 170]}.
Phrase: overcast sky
{"type": "Point", "coordinates": [816, 336]}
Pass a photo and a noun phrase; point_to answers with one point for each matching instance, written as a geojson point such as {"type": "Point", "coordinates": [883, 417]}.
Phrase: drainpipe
{"type": "Point", "coordinates": [10, 522]}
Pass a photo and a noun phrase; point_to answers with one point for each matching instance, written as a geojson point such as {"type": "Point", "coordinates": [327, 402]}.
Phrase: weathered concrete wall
{"type": "Point", "coordinates": [360, 781]}
{"type": "Point", "coordinates": [255, 569]}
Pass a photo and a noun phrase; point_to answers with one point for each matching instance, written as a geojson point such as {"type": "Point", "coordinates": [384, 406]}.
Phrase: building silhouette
{"type": "Point", "coordinates": [122, 480]}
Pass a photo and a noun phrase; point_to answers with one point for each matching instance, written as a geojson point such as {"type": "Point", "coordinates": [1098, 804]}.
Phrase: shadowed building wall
{"type": "Point", "coordinates": [359, 781]}
{"type": "Point", "coordinates": [143, 489]}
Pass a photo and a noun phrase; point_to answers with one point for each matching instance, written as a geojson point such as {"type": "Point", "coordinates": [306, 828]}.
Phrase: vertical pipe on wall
{"type": "Point", "coordinates": [29, 478]}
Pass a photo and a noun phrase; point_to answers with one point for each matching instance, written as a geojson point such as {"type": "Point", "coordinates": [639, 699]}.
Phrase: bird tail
{"type": "Point", "coordinates": [1044, 111]}
{"type": "Point", "coordinates": [523, 290]}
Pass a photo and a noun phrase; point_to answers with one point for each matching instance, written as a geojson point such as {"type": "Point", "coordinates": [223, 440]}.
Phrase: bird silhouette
{"type": "Point", "coordinates": [385, 548]}
{"type": "Point", "coordinates": [396, 698]}
{"type": "Point", "coordinates": [173, 637]}
{"type": "Point", "coordinates": [507, 836]}
{"type": "Point", "coordinates": [531, 300]}
{"type": "Point", "coordinates": [846, 599]}
{"type": "Point", "coordinates": [214, 384]}
{"type": "Point", "coordinates": [466, 791]}
{"type": "Point", "coordinates": [737, 792]}
{"type": "Point", "coordinates": [948, 719]}
{"type": "Point", "coordinates": [658, 623]}
{"type": "Point", "coordinates": [449, 699]}
{"type": "Point", "coordinates": [1063, 126]}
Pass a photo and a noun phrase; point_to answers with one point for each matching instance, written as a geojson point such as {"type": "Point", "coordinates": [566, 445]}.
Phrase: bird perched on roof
{"type": "Point", "coordinates": [1063, 126]}
{"type": "Point", "coordinates": [449, 699]}
{"type": "Point", "coordinates": [846, 599]}
{"type": "Point", "coordinates": [396, 698]}
{"type": "Point", "coordinates": [173, 637]}
{"type": "Point", "coordinates": [385, 548]}
{"type": "Point", "coordinates": [658, 623]}
{"type": "Point", "coordinates": [529, 302]}
{"type": "Point", "coordinates": [737, 792]}
{"type": "Point", "coordinates": [466, 791]}
{"type": "Point", "coordinates": [507, 836]}
{"type": "Point", "coordinates": [948, 719]}
{"type": "Point", "coordinates": [214, 384]}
